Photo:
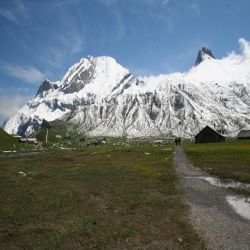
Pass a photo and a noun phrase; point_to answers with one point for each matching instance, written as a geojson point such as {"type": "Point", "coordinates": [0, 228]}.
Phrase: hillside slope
{"type": "Point", "coordinates": [6, 141]}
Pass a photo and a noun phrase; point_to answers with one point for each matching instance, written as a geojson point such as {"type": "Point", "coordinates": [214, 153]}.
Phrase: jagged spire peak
{"type": "Point", "coordinates": [203, 55]}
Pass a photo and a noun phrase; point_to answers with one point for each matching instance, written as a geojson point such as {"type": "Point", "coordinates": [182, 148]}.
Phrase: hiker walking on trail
{"type": "Point", "coordinates": [179, 141]}
{"type": "Point", "coordinates": [176, 141]}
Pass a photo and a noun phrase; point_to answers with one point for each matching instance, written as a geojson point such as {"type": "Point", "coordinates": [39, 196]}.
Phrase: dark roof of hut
{"type": "Point", "coordinates": [244, 133]}
{"type": "Point", "coordinates": [209, 128]}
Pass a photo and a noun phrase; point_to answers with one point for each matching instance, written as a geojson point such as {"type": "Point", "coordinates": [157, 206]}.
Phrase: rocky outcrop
{"type": "Point", "coordinates": [204, 54]}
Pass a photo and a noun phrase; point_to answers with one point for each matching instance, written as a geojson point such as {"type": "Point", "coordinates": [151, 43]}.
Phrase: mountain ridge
{"type": "Point", "coordinates": [101, 97]}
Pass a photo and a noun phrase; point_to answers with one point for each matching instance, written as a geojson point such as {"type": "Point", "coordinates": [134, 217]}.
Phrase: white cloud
{"type": "Point", "coordinates": [9, 105]}
{"type": "Point", "coordinates": [244, 52]}
{"type": "Point", "coordinates": [245, 48]}
{"type": "Point", "coordinates": [27, 73]}
{"type": "Point", "coordinates": [17, 12]}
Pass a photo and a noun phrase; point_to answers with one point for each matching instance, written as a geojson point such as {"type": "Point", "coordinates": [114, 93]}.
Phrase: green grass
{"type": "Point", "coordinates": [41, 135]}
{"type": "Point", "coordinates": [110, 197]}
{"type": "Point", "coordinates": [126, 233]}
{"type": "Point", "coordinates": [225, 160]}
{"type": "Point", "coordinates": [54, 142]}
{"type": "Point", "coordinates": [58, 127]}
{"type": "Point", "coordinates": [240, 191]}
{"type": "Point", "coordinates": [6, 140]}
{"type": "Point", "coordinates": [10, 143]}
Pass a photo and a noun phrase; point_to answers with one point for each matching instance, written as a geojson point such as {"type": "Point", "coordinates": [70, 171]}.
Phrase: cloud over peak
{"type": "Point", "coordinates": [244, 52]}
{"type": "Point", "coordinates": [9, 105]}
{"type": "Point", "coordinates": [245, 48]}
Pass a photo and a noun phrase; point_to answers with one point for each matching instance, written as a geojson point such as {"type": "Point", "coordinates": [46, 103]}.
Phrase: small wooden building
{"type": "Point", "coordinates": [244, 135]}
{"type": "Point", "coordinates": [207, 135]}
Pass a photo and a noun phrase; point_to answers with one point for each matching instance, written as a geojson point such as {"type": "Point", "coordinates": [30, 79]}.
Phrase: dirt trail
{"type": "Point", "coordinates": [211, 215]}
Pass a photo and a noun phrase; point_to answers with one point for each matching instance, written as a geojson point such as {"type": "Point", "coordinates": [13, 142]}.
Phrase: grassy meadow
{"type": "Point", "coordinates": [225, 160]}
{"type": "Point", "coordinates": [10, 143]}
{"type": "Point", "coordinates": [115, 196]}
{"type": "Point", "coordinates": [7, 141]}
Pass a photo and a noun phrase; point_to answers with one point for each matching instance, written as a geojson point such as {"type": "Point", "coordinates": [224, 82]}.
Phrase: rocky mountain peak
{"type": "Point", "coordinates": [204, 54]}
{"type": "Point", "coordinates": [46, 86]}
{"type": "Point", "coordinates": [95, 73]}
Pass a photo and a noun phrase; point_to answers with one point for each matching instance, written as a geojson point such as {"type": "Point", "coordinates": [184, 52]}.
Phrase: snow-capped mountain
{"type": "Point", "coordinates": [100, 97]}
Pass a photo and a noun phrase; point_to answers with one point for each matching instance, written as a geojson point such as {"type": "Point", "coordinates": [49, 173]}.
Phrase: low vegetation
{"type": "Point", "coordinates": [40, 135]}
{"type": "Point", "coordinates": [9, 143]}
{"type": "Point", "coordinates": [240, 191]}
{"type": "Point", "coordinates": [225, 160]}
{"type": "Point", "coordinates": [115, 196]}
{"type": "Point", "coordinates": [6, 140]}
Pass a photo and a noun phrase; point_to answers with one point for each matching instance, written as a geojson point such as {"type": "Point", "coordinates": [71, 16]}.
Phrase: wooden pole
{"type": "Point", "coordinates": [46, 139]}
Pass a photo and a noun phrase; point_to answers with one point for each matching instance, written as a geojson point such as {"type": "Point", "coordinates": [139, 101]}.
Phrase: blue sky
{"type": "Point", "coordinates": [41, 38]}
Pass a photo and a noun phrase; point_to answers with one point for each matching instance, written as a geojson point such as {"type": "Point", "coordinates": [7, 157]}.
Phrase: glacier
{"type": "Point", "coordinates": [100, 97]}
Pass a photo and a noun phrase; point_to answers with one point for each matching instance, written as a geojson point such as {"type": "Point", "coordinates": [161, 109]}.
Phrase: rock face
{"type": "Point", "coordinates": [45, 87]}
{"type": "Point", "coordinates": [204, 54]}
{"type": "Point", "coordinates": [100, 97]}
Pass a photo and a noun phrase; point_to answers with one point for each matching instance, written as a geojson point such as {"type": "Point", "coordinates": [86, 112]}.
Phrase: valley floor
{"type": "Point", "coordinates": [119, 196]}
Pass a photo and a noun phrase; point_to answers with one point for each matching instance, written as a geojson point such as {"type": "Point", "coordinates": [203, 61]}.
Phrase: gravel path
{"type": "Point", "coordinates": [211, 215]}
